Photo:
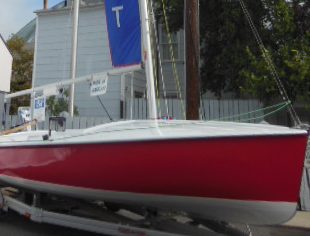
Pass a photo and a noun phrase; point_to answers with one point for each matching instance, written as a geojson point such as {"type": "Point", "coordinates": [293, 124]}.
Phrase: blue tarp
{"type": "Point", "coordinates": [124, 28]}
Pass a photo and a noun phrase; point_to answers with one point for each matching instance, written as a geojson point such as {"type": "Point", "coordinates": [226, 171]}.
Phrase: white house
{"type": "Point", "coordinates": [6, 61]}
{"type": "Point", "coordinates": [51, 35]}
{"type": "Point", "coordinates": [53, 55]}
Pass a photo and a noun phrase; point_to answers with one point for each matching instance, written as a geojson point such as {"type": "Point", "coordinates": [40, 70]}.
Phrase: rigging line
{"type": "Point", "coordinates": [270, 64]}
{"type": "Point", "coordinates": [264, 51]}
{"type": "Point", "coordinates": [175, 72]}
{"type": "Point", "coordinates": [104, 108]}
{"type": "Point", "coordinates": [265, 115]}
{"type": "Point", "coordinates": [159, 58]}
{"type": "Point", "coordinates": [281, 105]}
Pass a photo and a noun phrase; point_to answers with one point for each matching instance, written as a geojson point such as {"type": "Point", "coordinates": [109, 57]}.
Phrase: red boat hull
{"type": "Point", "coordinates": [258, 169]}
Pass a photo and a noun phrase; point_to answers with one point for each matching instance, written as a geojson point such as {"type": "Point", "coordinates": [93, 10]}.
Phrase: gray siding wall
{"type": "Point", "coordinates": [53, 56]}
{"type": "Point", "coordinates": [170, 77]}
{"type": "Point", "coordinates": [173, 78]}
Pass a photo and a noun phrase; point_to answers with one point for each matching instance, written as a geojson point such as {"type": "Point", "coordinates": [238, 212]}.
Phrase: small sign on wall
{"type": "Point", "coordinates": [39, 108]}
{"type": "Point", "coordinates": [99, 84]}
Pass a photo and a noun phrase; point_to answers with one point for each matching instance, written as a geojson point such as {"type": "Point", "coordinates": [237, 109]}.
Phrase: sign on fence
{"type": "Point", "coordinates": [99, 84]}
{"type": "Point", "coordinates": [39, 109]}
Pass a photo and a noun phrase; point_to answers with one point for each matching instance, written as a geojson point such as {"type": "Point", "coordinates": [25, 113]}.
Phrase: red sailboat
{"type": "Point", "coordinates": [234, 172]}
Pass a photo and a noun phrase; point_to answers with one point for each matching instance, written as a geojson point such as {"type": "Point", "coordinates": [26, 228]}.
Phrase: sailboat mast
{"type": "Point", "coordinates": [192, 59]}
{"type": "Point", "coordinates": [74, 54]}
{"type": "Point", "coordinates": [147, 53]}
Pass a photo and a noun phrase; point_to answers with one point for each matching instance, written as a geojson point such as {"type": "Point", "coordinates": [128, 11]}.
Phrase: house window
{"type": "Point", "coordinates": [138, 94]}
{"type": "Point", "coordinates": [171, 95]}
{"type": "Point", "coordinates": [165, 46]}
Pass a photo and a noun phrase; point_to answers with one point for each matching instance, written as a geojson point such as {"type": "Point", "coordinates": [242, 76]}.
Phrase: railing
{"type": "Point", "coordinates": [234, 110]}
{"type": "Point", "coordinates": [71, 123]}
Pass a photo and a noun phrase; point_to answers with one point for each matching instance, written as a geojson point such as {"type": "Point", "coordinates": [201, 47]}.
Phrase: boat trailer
{"type": "Point", "coordinates": [109, 219]}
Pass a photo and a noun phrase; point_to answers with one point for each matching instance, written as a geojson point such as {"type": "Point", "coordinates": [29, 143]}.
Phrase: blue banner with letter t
{"type": "Point", "coordinates": [124, 28]}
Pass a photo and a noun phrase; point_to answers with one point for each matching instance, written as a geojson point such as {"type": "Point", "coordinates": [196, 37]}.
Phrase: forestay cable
{"type": "Point", "coordinates": [175, 72]}
{"type": "Point", "coordinates": [270, 65]}
{"type": "Point", "coordinates": [159, 59]}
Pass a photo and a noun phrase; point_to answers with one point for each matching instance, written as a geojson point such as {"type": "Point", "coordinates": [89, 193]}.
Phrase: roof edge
{"type": "Point", "coordinates": [64, 9]}
{"type": "Point", "coordinates": [6, 45]}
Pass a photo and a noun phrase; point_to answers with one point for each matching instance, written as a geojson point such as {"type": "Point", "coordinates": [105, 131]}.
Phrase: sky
{"type": "Point", "coordinates": [15, 14]}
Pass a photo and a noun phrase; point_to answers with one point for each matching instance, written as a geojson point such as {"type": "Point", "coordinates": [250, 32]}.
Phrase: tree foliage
{"type": "Point", "coordinates": [288, 45]}
{"type": "Point", "coordinates": [59, 104]}
{"type": "Point", "coordinates": [22, 77]}
{"type": "Point", "coordinates": [231, 60]}
{"type": "Point", "coordinates": [21, 71]}
{"type": "Point", "coordinates": [174, 10]}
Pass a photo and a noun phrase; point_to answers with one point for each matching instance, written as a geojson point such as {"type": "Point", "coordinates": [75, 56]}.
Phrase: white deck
{"type": "Point", "coordinates": [144, 130]}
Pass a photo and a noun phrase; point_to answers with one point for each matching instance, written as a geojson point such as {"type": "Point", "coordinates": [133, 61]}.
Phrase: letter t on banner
{"type": "Point", "coordinates": [117, 10]}
{"type": "Point", "coordinates": [124, 28]}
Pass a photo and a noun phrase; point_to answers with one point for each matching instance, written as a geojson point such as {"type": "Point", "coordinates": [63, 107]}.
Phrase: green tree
{"type": "Point", "coordinates": [174, 10]}
{"type": "Point", "coordinates": [289, 49]}
{"type": "Point", "coordinates": [231, 60]}
{"type": "Point", "coordinates": [21, 71]}
{"type": "Point", "coordinates": [60, 103]}
{"type": "Point", "coordinates": [225, 35]}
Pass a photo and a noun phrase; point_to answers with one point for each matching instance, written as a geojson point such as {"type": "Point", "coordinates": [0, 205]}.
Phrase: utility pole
{"type": "Point", "coordinates": [192, 42]}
